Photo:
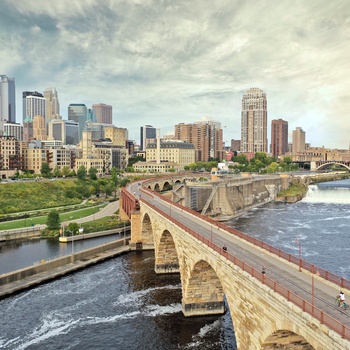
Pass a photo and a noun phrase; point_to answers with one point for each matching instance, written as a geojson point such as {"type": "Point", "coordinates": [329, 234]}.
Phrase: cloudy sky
{"type": "Point", "coordinates": [170, 61]}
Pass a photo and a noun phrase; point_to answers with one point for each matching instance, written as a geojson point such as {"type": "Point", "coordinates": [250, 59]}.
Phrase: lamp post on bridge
{"type": "Point", "coordinates": [299, 245]}
{"type": "Point", "coordinates": [313, 283]}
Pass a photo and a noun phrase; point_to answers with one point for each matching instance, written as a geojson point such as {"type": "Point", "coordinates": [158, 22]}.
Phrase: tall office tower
{"type": "Point", "coordinates": [33, 104]}
{"type": "Point", "coordinates": [7, 101]}
{"type": "Point", "coordinates": [254, 121]}
{"type": "Point", "coordinates": [78, 113]}
{"type": "Point", "coordinates": [206, 136]}
{"type": "Point", "coordinates": [279, 137]}
{"type": "Point", "coordinates": [28, 128]}
{"type": "Point", "coordinates": [66, 131]}
{"type": "Point", "coordinates": [298, 140]}
{"type": "Point", "coordinates": [39, 128]}
{"type": "Point", "coordinates": [52, 104]}
{"type": "Point", "coordinates": [146, 132]}
{"type": "Point", "coordinates": [103, 113]}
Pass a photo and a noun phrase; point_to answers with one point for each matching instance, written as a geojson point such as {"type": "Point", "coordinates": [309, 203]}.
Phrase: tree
{"type": "Point", "coordinates": [53, 220]}
{"type": "Point", "coordinates": [115, 176]}
{"type": "Point", "coordinates": [241, 159]}
{"type": "Point", "coordinates": [72, 229]}
{"type": "Point", "coordinates": [133, 160]}
{"type": "Point", "coordinates": [65, 171]}
{"type": "Point", "coordinates": [56, 171]}
{"type": "Point", "coordinates": [93, 173]}
{"type": "Point", "coordinates": [110, 188]}
{"type": "Point", "coordinates": [45, 170]}
{"type": "Point", "coordinates": [81, 173]}
{"type": "Point", "coordinates": [272, 168]}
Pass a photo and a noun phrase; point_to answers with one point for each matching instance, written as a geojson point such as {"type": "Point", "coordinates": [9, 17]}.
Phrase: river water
{"type": "Point", "coordinates": [123, 304]}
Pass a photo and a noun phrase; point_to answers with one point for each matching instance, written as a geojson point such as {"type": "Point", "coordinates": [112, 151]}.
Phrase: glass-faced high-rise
{"type": "Point", "coordinates": [7, 99]}
{"type": "Point", "coordinates": [78, 112]}
{"type": "Point", "coordinates": [254, 121]}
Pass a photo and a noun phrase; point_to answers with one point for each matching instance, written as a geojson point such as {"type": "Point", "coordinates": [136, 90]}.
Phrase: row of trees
{"type": "Point", "coordinates": [260, 163]}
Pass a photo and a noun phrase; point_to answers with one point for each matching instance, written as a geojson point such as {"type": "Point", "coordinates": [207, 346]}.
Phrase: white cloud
{"type": "Point", "coordinates": [165, 62]}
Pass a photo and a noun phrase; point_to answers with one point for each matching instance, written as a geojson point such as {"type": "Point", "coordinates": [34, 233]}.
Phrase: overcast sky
{"type": "Point", "coordinates": [165, 62]}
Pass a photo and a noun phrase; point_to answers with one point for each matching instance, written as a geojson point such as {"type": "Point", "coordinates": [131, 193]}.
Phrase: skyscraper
{"type": "Point", "coordinates": [52, 104]}
{"type": "Point", "coordinates": [78, 113]}
{"type": "Point", "coordinates": [146, 132]}
{"type": "Point", "coordinates": [33, 104]}
{"type": "Point", "coordinates": [103, 113]}
{"type": "Point", "coordinates": [279, 137]}
{"type": "Point", "coordinates": [298, 140]}
{"type": "Point", "coordinates": [254, 121]}
{"type": "Point", "coordinates": [7, 100]}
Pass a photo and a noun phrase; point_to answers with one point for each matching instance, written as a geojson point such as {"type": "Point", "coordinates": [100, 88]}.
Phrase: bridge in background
{"type": "Point", "coordinates": [291, 304]}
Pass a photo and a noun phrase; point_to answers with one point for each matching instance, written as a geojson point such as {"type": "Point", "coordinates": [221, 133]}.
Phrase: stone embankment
{"type": "Point", "coordinates": [32, 276]}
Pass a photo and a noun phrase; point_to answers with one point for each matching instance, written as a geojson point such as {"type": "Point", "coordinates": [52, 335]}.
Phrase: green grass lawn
{"type": "Point", "coordinates": [69, 216]}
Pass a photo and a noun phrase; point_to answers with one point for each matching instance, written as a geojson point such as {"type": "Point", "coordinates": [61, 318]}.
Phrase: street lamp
{"type": "Point", "coordinates": [72, 246]}
{"type": "Point", "coordinates": [124, 233]}
{"type": "Point", "coordinates": [299, 244]}
{"type": "Point", "coordinates": [313, 283]}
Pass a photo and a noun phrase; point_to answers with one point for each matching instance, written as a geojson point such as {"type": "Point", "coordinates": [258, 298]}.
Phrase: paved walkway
{"type": "Point", "coordinates": [108, 210]}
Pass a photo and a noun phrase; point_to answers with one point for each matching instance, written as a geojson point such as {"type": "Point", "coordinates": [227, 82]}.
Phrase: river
{"type": "Point", "coordinates": [123, 304]}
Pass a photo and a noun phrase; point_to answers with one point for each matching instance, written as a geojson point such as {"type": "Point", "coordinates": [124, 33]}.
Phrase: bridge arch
{"type": "Point", "coordinates": [325, 165]}
{"type": "Point", "coordinates": [284, 339]}
{"type": "Point", "coordinates": [166, 258]}
{"type": "Point", "coordinates": [147, 230]}
{"type": "Point", "coordinates": [167, 186]}
{"type": "Point", "coordinates": [203, 292]}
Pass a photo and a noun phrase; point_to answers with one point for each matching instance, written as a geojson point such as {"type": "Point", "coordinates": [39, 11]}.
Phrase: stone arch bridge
{"type": "Point", "coordinates": [268, 311]}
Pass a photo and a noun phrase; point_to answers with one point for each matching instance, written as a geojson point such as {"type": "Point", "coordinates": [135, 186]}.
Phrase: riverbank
{"type": "Point", "coordinates": [29, 277]}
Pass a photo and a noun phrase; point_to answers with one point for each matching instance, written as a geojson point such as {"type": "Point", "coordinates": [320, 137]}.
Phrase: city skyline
{"type": "Point", "coordinates": [167, 63]}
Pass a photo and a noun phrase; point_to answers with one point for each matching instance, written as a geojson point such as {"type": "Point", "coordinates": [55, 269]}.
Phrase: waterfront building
{"type": "Point", "coordinates": [254, 121]}
{"type": "Point", "coordinates": [279, 137]}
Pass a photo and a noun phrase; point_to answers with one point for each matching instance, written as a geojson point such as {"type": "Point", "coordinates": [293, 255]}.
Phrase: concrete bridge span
{"type": "Point", "coordinates": [269, 311]}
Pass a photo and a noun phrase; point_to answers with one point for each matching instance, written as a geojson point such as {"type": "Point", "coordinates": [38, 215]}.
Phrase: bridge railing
{"type": "Point", "coordinates": [303, 264]}
{"type": "Point", "coordinates": [303, 304]}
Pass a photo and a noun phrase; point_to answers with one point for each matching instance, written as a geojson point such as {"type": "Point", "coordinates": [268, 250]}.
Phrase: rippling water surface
{"type": "Point", "coordinates": [123, 304]}
{"type": "Point", "coordinates": [119, 304]}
